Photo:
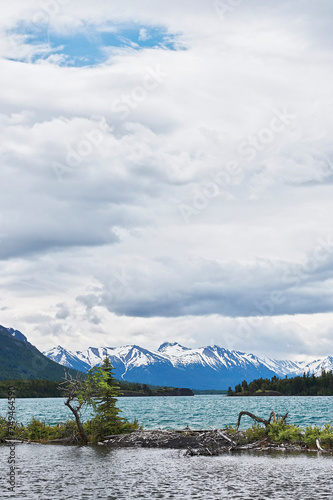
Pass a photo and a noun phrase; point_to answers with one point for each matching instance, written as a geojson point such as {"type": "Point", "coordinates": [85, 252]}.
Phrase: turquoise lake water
{"type": "Point", "coordinates": [198, 412]}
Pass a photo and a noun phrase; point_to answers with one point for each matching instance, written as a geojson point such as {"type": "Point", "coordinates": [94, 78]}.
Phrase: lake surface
{"type": "Point", "coordinates": [98, 472]}
{"type": "Point", "coordinates": [198, 412]}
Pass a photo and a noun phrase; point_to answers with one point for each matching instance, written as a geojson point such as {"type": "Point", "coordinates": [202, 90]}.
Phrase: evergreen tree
{"type": "Point", "coordinates": [100, 390]}
{"type": "Point", "coordinates": [305, 385]}
{"type": "Point", "coordinates": [105, 390]}
{"type": "Point", "coordinates": [245, 386]}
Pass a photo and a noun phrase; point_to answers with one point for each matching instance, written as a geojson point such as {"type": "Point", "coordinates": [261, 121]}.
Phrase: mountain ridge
{"type": "Point", "coordinates": [21, 360]}
{"type": "Point", "coordinates": [208, 367]}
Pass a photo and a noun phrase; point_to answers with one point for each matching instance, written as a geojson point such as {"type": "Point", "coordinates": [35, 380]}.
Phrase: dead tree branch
{"type": "Point", "coordinates": [259, 419]}
{"type": "Point", "coordinates": [72, 387]}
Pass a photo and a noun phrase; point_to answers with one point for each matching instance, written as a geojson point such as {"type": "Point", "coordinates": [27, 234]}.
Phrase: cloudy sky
{"type": "Point", "coordinates": [166, 173]}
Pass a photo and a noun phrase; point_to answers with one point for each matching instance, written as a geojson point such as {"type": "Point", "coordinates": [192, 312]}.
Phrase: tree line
{"type": "Point", "coordinates": [50, 389]}
{"type": "Point", "coordinates": [31, 388]}
{"type": "Point", "coordinates": [305, 385]}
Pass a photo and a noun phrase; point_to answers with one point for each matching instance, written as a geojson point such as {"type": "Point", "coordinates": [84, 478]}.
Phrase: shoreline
{"type": "Point", "coordinates": [201, 442]}
{"type": "Point", "coordinates": [212, 442]}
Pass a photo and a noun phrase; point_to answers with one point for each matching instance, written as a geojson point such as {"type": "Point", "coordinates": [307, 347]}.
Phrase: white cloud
{"type": "Point", "coordinates": [144, 35]}
{"type": "Point", "coordinates": [96, 162]}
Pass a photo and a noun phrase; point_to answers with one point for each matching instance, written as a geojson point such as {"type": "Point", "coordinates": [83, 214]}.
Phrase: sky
{"type": "Point", "coordinates": [166, 174]}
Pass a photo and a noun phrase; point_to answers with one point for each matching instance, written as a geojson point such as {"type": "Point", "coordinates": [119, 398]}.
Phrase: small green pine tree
{"type": "Point", "coordinates": [106, 388]}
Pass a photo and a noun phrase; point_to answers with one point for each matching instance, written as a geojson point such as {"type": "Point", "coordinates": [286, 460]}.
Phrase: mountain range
{"type": "Point", "coordinates": [210, 367]}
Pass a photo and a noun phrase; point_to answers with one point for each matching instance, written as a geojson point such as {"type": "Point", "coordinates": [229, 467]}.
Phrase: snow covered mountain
{"type": "Point", "coordinates": [210, 367]}
{"type": "Point", "coordinates": [316, 367]}
{"type": "Point", "coordinates": [285, 367]}
{"type": "Point", "coordinates": [15, 333]}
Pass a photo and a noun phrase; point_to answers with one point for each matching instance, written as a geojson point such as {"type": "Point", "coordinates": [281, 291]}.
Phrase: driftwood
{"type": "Point", "coordinates": [196, 442]}
{"type": "Point", "coordinates": [250, 446]}
{"type": "Point", "coordinates": [205, 442]}
{"type": "Point", "coordinates": [259, 419]}
{"type": "Point", "coordinates": [220, 433]}
{"type": "Point", "coordinates": [15, 441]}
{"type": "Point", "coordinates": [61, 441]}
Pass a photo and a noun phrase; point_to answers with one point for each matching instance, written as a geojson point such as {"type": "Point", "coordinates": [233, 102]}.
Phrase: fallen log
{"type": "Point", "coordinates": [220, 433]}
{"type": "Point", "coordinates": [252, 445]}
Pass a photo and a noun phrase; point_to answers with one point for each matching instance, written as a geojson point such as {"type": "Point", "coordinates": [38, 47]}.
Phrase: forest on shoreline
{"type": "Point", "coordinates": [50, 389]}
{"type": "Point", "coordinates": [305, 385]}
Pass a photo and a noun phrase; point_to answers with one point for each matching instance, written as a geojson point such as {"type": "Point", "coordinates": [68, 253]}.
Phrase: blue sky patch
{"type": "Point", "coordinates": [91, 45]}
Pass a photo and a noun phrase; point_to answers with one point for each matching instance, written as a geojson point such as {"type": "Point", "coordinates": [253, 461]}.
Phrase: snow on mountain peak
{"type": "Point", "coordinates": [172, 349]}
{"type": "Point", "coordinates": [210, 367]}
{"type": "Point", "coordinates": [16, 333]}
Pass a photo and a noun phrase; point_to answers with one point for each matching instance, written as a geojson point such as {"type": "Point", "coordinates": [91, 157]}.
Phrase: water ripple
{"type": "Point", "coordinates": [198, 412]}
{"type": "Point", "coordinates": [64, 472]}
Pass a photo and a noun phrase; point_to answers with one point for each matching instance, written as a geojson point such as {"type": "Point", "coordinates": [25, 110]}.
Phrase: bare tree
{"type": "Point", "coordinates": [76, 393]}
